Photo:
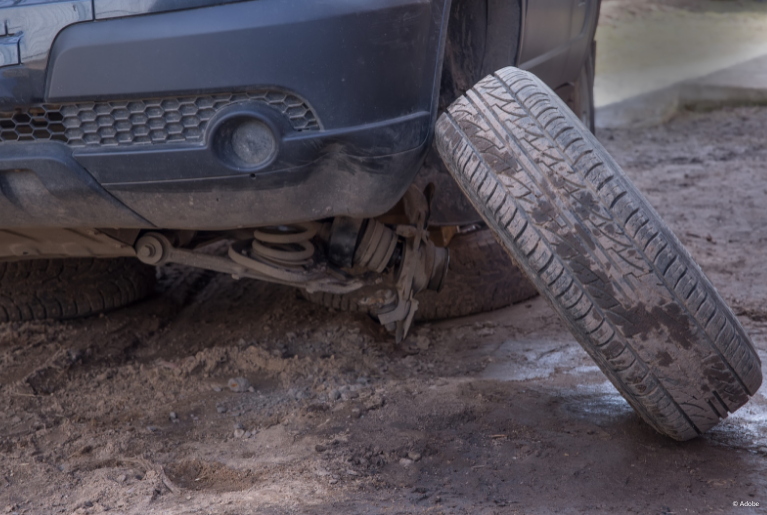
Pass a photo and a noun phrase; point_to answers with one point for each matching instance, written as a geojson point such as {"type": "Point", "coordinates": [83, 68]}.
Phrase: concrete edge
{"type": "Point", "coordinates": [657, 107]}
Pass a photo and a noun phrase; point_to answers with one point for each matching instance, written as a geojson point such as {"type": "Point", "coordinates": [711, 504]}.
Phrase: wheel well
{"type": "Point", "coordinates": [482, 36]}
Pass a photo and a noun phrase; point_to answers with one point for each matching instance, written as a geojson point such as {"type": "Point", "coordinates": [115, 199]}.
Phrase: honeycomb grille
{"type": "Point", "coordinates": [136, 122]}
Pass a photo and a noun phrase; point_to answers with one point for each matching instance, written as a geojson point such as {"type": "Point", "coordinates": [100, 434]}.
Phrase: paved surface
{"type": "Point", "coordinates": [742, 84]}
{"type": "Point", "coordinates": [651, 64]}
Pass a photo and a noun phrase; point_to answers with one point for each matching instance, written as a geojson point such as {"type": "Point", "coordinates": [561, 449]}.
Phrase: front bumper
{"type": "Point", "coordinates": [132, 107]}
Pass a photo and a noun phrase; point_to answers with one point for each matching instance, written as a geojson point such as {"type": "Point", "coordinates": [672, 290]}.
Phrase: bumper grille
{"type": "Point", "coordinates": [137, 122]}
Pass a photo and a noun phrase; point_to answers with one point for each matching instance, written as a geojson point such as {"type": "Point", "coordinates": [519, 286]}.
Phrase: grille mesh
{"type": "Point", "coordinates": [135, 122]}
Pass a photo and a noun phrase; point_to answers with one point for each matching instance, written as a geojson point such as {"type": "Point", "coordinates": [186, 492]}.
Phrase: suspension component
{"type": "Point", "coordinates": [376, 247]}
{"type": "Point", "coordinates": [287, 254]}
{"type": "Point", "coordinates": [155, 249]}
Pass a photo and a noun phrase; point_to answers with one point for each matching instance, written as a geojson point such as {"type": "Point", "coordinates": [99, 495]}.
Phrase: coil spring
{"type": "Point", "coordinates": [285, 245]}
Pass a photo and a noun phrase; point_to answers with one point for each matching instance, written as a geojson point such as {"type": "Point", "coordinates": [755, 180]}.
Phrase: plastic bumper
{"type": "Point", "coordinates": [368, 71]}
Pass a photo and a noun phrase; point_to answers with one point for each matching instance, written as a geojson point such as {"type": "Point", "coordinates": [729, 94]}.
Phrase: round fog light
{"type": "Point", "coordinates": [245, 142]}
{"type": "Point", "coordinates": [253, 142]}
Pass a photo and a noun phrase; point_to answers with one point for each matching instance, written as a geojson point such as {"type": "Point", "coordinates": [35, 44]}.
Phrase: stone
{"type": "Point", "coordinates": [415, 456]}
{"type": "Point", "coordinates": [238, 384]}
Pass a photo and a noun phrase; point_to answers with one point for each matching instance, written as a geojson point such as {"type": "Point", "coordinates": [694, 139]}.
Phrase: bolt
{"type": "Point", "coordinates": [146, 252]}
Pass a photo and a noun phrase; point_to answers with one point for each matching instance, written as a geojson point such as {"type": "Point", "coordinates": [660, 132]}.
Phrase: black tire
{"type": "Point", "coordinates": [38, 289]}
{"type": "Point", "coordinates": [481, 278]}
{"type": "Point", "coordinates": [595, 248]}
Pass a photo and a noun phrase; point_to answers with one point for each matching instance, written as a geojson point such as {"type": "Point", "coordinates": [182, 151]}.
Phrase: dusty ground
{"type": "Point", "coordinates": [494, 414]}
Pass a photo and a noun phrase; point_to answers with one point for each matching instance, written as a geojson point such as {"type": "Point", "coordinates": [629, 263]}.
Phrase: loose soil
{"type": "Point", "coordinates": [493, 414]}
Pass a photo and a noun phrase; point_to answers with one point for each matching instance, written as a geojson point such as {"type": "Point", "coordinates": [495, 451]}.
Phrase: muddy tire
{"type": "Point", "coordinates": [481, 278]}
{"type": "Point", "coordinates": [595, 248]}
{"type": "Point", "coordinates": [69, 288]}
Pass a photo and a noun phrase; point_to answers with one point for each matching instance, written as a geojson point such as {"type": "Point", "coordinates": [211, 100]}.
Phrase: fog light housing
{"type": "Point", "coordinates": [245, 142]}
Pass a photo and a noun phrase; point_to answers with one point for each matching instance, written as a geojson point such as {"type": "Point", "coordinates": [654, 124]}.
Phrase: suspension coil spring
{"type": "Point", "coordinates": [285, 245]}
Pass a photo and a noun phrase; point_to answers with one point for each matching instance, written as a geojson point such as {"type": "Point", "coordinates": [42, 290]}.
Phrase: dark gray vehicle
{"type": "Point", "coordinates": [195, 120]}
{"type": "Point", "coordinates": [302, 134]}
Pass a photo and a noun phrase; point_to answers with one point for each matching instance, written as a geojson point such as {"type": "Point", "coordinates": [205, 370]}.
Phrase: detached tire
{"type": "Point", "coordinates": [595, 248]}
{"type": "Point", "coordinates": [481, 278]}
{"type": "Point", "coordinates": [40, 289]}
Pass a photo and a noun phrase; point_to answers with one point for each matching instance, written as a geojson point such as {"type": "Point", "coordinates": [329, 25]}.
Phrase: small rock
{"type": "Point", "coordinates": [762, 450]}
{"type": "Point", "coordinates": [405, 462]}
{"type": "Point", "coordinates": [334, 395]}
{"type": "Point", "coordinates": [350, 395]}
{"type": "Point", "coordinates": [239, 433]}
{"type": "Point", "coordinates": [151, 429]}
{"type": "Point", "coordinates": [121, 478]}
{"type": "Point", "coordinates": [356, 413]}
{"type": "Point", "coordinates": [251, 389]}
{"type": "Point", "coordinates": [88, 504]}
{"type": "Point", "coordinates": [173, 416]}
{"type": "Point", "coordinates": [422, 343]}
{"type": "Point", "coordinates": [216, 388]}
{"type": "Point", "coordinates": [221, 409]}
{"type": "Point", "coordinates": [320, 448]}
{"type": "Point", "coordinates": [238, 384]}
{"type": "Point", "coordinates": [374, 402]}
{"type": "Point", "coordinates": [363, 380]}
{"type": "Point", "coordinates": [415, 456]}
{"type": "Point", "coordinates": [238, 425]}
{"type": "Point", "coordinates": [352, 472]}
{"type": "Point", "coordinates": [333, 481]}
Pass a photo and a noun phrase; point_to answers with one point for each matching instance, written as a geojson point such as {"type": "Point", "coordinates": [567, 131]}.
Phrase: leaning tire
{"type": "Point", "coordinates": [595, 248]}
{"type": "Point", "coordinates": [70, 288]}
{"type": "Point", "coordinates": [481, 278]}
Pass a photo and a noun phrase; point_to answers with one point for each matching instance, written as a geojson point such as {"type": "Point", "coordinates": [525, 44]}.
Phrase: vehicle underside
{"type": "Point", "coordinates": [239, 128]}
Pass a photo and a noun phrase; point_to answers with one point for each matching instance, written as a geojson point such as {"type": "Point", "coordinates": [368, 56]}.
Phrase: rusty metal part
{"type": "Point", "coordinates": [287, 233]}
{"type": "Point", "coordinates": [156, 249]}
{"type": "Point", "coordinates": [60, 243]}
{"type": "Point", "coordinates": [287, 246]}
{"type": "Point", "coordinates": [423, 265]}
{"type": "Point", "coordinates": [342, 241]}
{"type": "Point", "coordinates": [376, 247]}
{"type": "Point", "coordinates": [286, 255]}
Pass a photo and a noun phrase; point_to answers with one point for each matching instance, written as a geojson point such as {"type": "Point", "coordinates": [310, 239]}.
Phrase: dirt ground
{"type": "Point", "coordinates": [493, 414]}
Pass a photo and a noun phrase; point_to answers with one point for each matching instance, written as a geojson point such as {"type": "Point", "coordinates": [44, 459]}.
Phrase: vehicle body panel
{"type": "Point", "coordinates": [364, 78]}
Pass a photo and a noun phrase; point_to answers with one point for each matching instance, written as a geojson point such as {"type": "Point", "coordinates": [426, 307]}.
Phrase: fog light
{"type": "Point", "coordinates": [245, 142]}
{"type": "Point", "coordinates": [253, 142]}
